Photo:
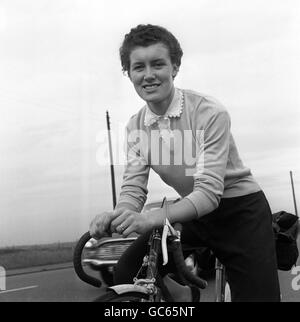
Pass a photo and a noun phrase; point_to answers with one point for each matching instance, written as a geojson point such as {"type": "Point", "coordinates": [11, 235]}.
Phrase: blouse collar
{"type": "Point", "coordinates": [174, 110]}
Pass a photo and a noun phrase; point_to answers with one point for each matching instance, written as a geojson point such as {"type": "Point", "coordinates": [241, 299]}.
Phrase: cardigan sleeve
{"type": "Point", "coordinates": [136, 174]}
{"type": "Point", "coordinates": [213, 149]}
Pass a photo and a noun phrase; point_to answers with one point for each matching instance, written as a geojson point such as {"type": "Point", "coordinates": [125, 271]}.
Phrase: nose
{"type": "Point", "coordinates": [149, 75]}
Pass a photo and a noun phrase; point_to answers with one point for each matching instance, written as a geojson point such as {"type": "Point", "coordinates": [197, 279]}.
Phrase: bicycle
{"type": "Point", "coordinates": [148, 286]}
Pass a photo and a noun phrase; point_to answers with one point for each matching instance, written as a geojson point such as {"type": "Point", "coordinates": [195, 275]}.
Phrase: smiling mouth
{"type": "Point", "coordinates": [150, 86]}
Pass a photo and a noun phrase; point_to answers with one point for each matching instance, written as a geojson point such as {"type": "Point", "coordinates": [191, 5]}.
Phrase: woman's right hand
{"type": "Point", "coordinates": [100, 225]}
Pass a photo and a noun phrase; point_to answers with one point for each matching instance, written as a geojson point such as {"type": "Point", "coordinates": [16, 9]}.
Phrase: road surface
{"type": "Point", "coordinates": [62, 285]}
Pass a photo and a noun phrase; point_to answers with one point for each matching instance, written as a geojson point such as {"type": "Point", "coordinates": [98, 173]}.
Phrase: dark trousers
{"type": "Point", "coordinates": [240, 234]}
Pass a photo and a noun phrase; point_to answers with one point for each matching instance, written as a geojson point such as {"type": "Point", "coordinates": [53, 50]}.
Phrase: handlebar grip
{"type": "Point", "coordinates": [77, 263]}
{"type": "Point", "coordinates": [183, 269]}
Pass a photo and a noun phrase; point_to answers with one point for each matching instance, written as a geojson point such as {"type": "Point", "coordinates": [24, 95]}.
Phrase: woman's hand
{"type": "Point", "coordinates": [100, 225]}
{"type": "Point", "coordinates": [129, 221]}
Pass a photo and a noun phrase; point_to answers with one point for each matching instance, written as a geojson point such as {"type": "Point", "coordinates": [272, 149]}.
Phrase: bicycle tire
{"type": "Point", "coordinates": [111, 296]}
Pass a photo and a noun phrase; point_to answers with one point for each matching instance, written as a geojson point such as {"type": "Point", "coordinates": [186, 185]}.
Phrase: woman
{"type": "Point", "coordinates": [185, 137]}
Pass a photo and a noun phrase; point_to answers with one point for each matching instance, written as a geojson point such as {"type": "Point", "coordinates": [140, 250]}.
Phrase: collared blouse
{"type": "Point", "coordinates": [191, 148]}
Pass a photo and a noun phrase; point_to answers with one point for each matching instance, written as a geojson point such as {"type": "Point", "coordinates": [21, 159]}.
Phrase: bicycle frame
{"type": "Point", "coordinates": [147, 285]}
{"type": "Point", "coordinates": [152, 285]}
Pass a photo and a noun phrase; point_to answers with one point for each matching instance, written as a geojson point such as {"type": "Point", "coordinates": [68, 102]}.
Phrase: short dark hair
{"type": "Point", "coordinates": [146, 35]}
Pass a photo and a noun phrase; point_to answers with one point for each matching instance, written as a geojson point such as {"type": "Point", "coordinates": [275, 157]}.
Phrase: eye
{"type": "Point", "coordinates": [158, 65]}
{"type": "Point", "coordinates": [138, 67]}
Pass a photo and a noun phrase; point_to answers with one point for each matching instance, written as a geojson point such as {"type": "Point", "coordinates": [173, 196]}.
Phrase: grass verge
{"type": "Point", "coordinates": [37, 255]}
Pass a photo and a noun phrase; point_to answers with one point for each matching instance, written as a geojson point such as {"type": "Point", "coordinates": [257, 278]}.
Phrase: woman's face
{"type": "Point", "coordinates": [152, 72]}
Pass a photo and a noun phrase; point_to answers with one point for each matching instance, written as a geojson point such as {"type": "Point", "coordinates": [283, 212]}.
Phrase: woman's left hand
{"type": "Point", "coordinates": [129, 221]}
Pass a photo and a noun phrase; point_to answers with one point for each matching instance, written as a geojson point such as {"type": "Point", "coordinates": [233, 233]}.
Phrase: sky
{"type": "Point", "coordinates": [60, 72]}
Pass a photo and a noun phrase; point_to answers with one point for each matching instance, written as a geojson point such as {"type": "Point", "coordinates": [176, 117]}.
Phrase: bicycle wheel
{"type": "Point", "coordinates": [111, 296]}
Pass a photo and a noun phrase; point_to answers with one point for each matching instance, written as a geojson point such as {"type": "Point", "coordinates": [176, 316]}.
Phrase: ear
{"type": "Point", "coordinates": [175, 71]}
{"type": "Point", "coordinates": [127, 73]}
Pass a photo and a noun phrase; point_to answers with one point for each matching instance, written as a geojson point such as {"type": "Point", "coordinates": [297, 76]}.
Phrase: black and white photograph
{"type": "Point", "coordinates": [149, 152]}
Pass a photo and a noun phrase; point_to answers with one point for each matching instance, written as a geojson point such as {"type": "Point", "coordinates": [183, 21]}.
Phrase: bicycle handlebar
{"type": "Point", "coordinates": [180, 262]}
{"type": "Point", "coordinates": [77, 263]}
{"type": "Point", "coordinates": [177, 255]}
{"type": "Point", "coordinates": [177, 251]}
{"type": "Point", "coordinates": [184, 270]}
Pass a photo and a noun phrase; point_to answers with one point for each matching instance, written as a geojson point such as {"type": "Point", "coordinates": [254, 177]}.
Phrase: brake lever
{"type": "Point", "coordinates": [164, 244]}
{"type": "Point", "coordinates": [168, 231]}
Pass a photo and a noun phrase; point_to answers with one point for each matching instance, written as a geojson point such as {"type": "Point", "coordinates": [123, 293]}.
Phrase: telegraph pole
{"type": "Point", "coordinates": [294, 197]}
{"type": "Point", "coordinates": [112, 173]}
